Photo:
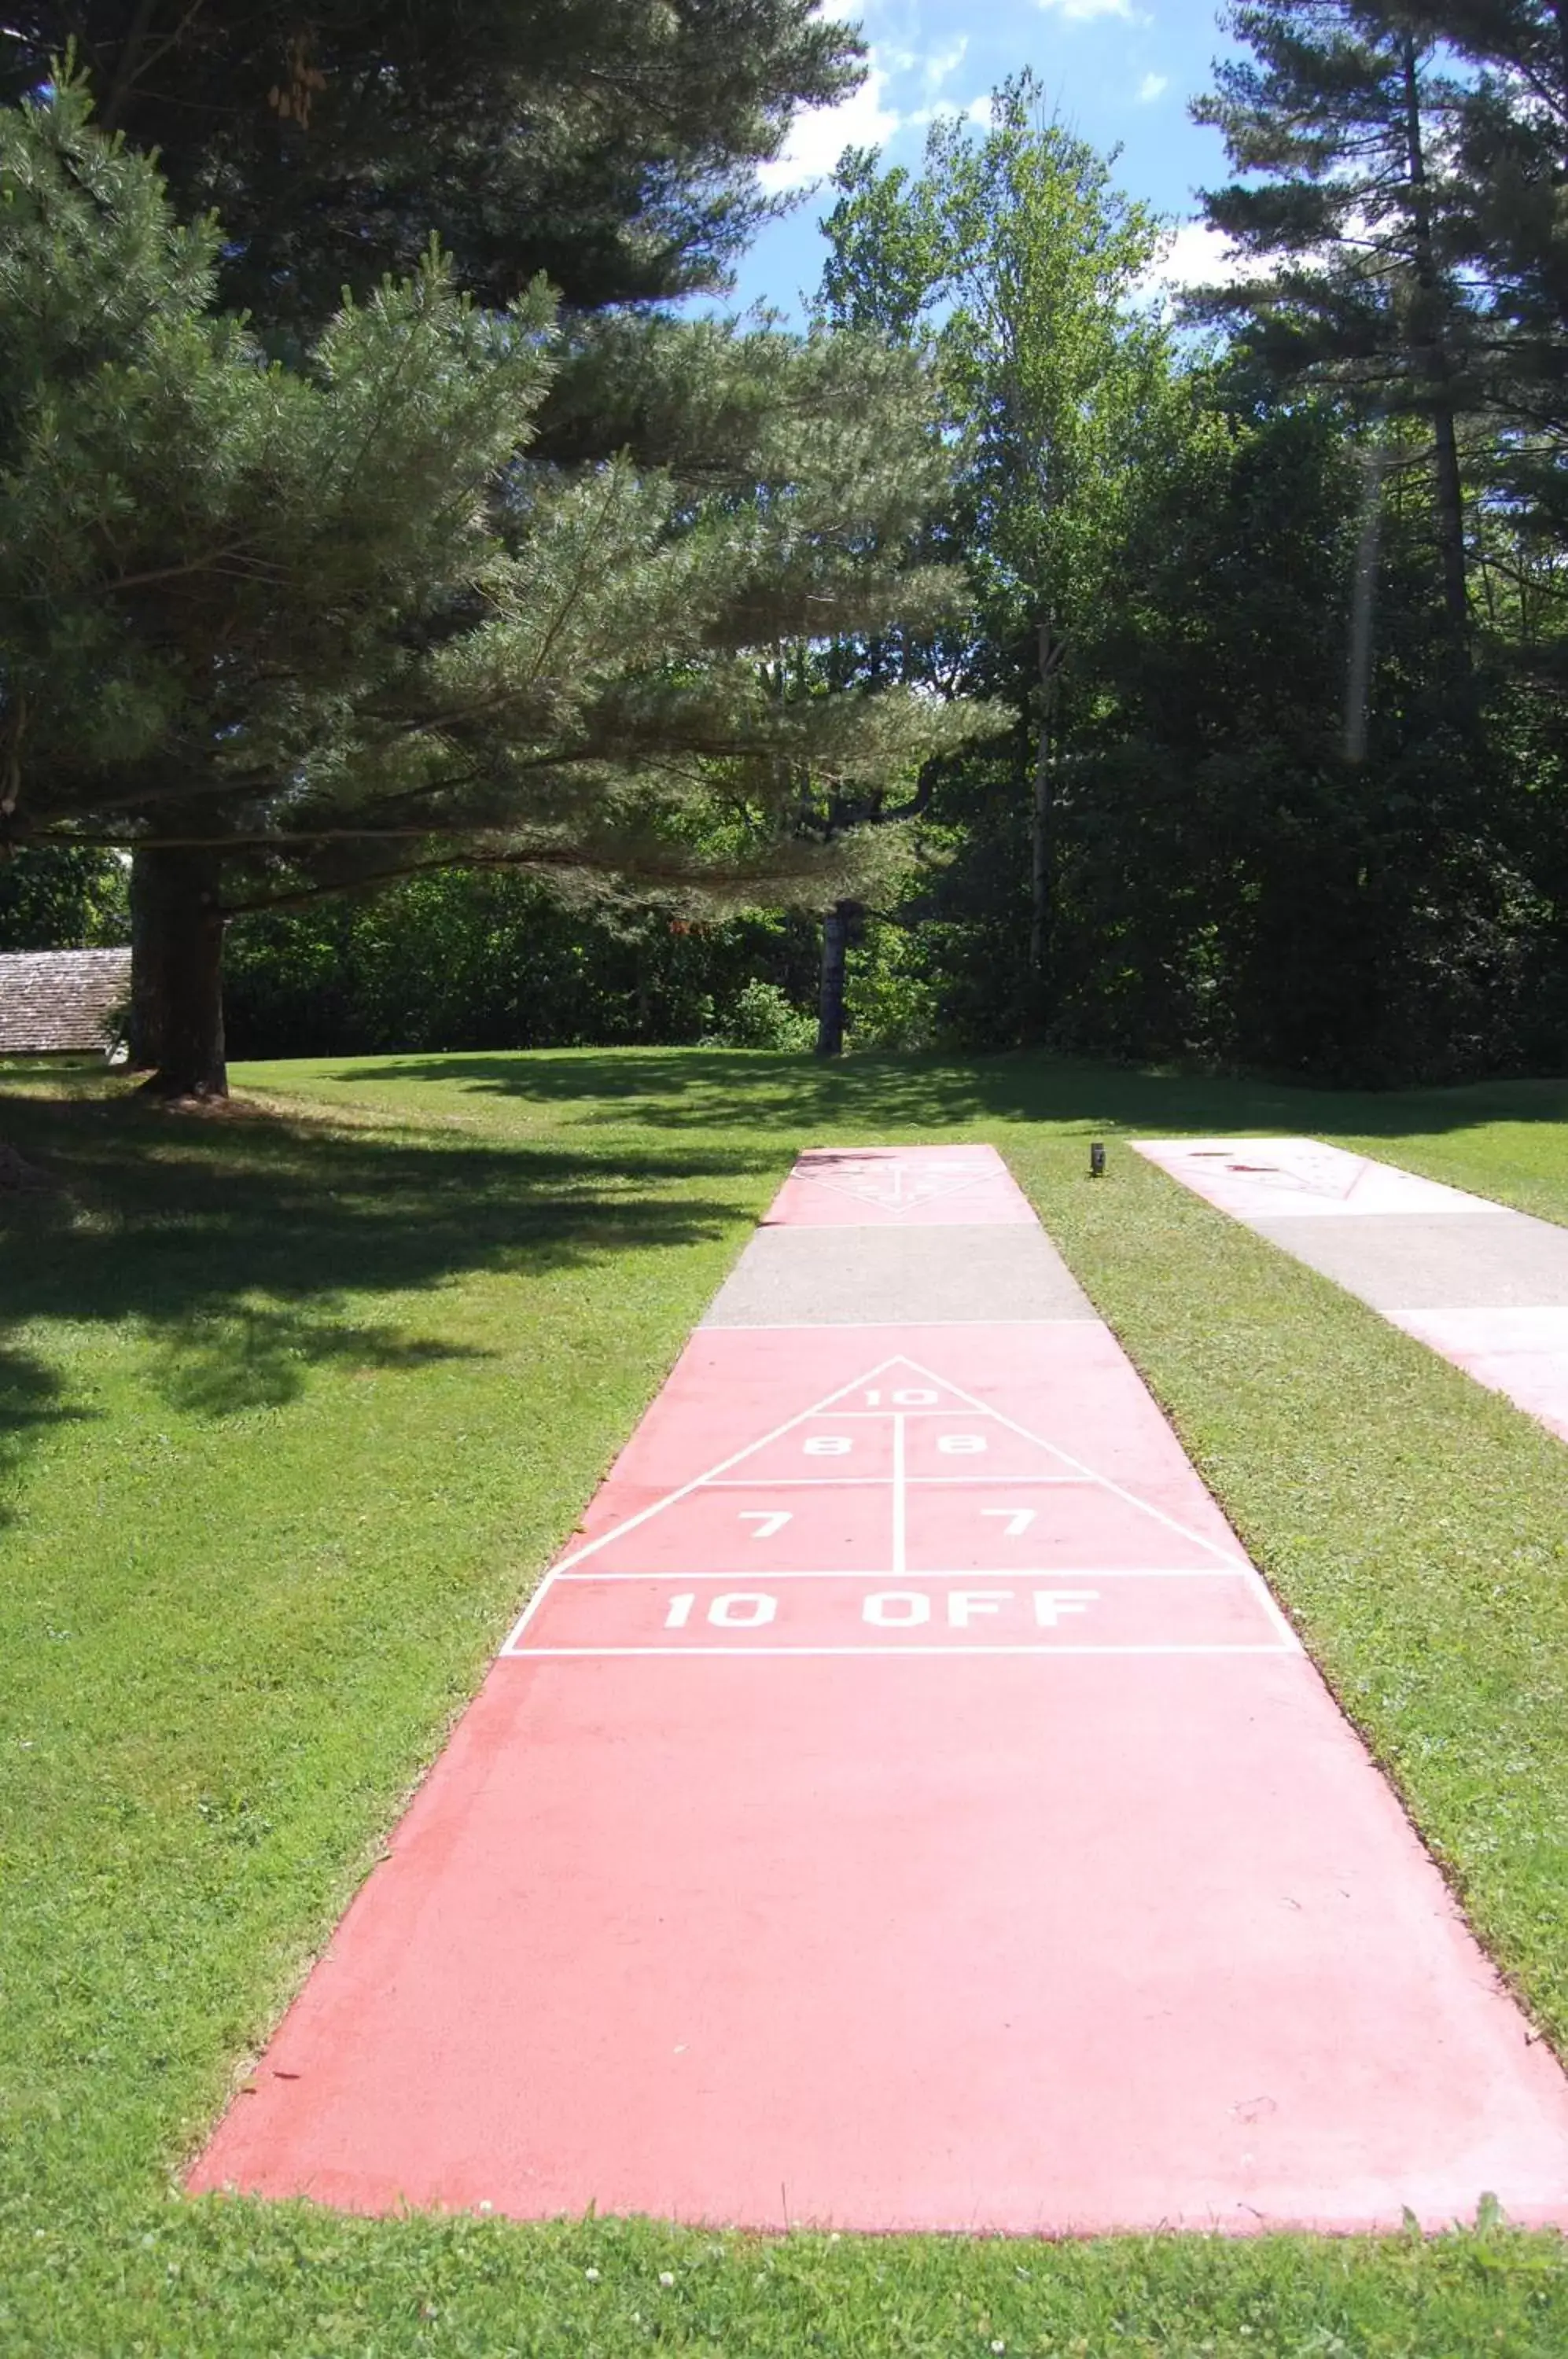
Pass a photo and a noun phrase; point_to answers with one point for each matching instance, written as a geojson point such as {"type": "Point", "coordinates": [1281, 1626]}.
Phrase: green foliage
{"type": "Point", "coordinates": [761, 1017]}
{"type": "Point", "coordinates": [62, 900]}
{"type": "Point", "coordinates": [490, 959]}
{"type": "Point", "coordinates": [894, 998]}
{"type": "Point", "coordinates": [1013, 255]}
{"type": "Point", "coordinates": [1341, 122]}
{"type": "Point", "coordinates": [1235, 887]}
{"type": "Point", "coordinates": [609, 146]}
{"type": "Point", "coordinates": [339, 622]}
{"type": "Point", "coordinates": [983, 608]}
{"type": "Point", "coordinates": [1257, 806]}
{"type": "Point", "coordinates": [1337, 121]}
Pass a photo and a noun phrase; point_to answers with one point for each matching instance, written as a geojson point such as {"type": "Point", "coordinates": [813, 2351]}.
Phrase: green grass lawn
{"type": "Point", "coordinates": [294, 1406]}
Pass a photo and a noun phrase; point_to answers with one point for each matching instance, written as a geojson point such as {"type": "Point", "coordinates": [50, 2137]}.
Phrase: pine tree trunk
{"type": "Point", "coordinates": [1363, 601]}
{"type": "Point", "coordinates": [1041, 812]}
{"type": "Point", "coordinates": [1433, 355]}
{"type": "Point", "coordinates": [835, 949]}
{"type": "Point", "coordinates": [177, 972]}
{"type": "Point", "coordinates": [1451, 521]}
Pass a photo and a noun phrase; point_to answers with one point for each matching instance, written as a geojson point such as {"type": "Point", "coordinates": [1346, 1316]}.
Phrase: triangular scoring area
{"type": "Point", "coordinates": [984, 1491]}
{"type": "Point", "coordinates": [888, 1471]}
{"type": "Point", "coordinates": [734, 1518]}
{"type": "Point", "coordinates": [894, 1186]}
{"type": "Point", "coordinates": [1303, 1175]}
{"type": "Point", "coordinates": [840, 1444]}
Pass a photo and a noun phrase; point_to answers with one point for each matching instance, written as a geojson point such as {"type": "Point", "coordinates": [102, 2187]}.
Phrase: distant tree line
{"type": "Point", "coordinates": [497, 959]}
{"type": "Point", "coordinates": [1004, 660]}
{"type": "Point", "coordinates": [1276, 609]}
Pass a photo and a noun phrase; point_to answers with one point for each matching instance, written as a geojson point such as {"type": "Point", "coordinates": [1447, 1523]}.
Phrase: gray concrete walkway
{"type": "Point", "coordinates": [914, 1276]}
{"type": "Point", "coordinates": [1485, 1286]}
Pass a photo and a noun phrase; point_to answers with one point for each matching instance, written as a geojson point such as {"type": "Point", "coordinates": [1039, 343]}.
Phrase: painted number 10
{"type": "Point", "coordinates": [737, 1609]}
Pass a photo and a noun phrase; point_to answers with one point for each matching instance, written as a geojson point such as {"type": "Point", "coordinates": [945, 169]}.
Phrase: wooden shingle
{"type": "Point", "coordinates": [60, 1003]}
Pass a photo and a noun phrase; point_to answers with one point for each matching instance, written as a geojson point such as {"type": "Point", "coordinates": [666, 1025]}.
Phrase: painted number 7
{"type": "Point", "coordinates": [766, 1524]}
{"type": "Point", "coordinates": [1017, 1520]}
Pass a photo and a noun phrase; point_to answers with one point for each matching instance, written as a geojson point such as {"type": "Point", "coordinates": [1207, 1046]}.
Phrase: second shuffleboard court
{"type": "Point", "coordinates": [903, 1806]}
{"type": "Point", "coordinates": [1483, 1285]}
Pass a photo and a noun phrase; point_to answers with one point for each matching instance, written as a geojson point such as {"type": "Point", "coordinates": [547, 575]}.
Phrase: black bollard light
{"type": "Point", "coordinates": [1096, 1158]}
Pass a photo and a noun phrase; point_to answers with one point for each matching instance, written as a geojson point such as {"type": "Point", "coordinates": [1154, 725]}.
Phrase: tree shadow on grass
{"type": "Point", "coordinates": [32, 1403]}
{"type": "Point", "coordinates": [798, 1097]}
{"type": "Point", "coordinates": [218, 1363]}
{"type": "Point", "coordinates": [246, 1246]}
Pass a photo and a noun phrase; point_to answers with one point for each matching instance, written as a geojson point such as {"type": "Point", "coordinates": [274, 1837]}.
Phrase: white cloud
{"type": "Point", "coordinates": [1151, 87]}
{"type": "Point", "coordinates": [969, 110]}
{"type": "Point", "coordinates": [942, 64]}
{"type": "Point", "coordinates": [1197, 255]}
{"type": "Point", "coordinates": [817, 139]}
{"type": "Point", "coordinates": [1080, 11]}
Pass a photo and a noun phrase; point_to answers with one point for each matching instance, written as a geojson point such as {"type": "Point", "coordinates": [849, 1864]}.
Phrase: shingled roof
{"type": "Point", "coordinates": [55, 1003]}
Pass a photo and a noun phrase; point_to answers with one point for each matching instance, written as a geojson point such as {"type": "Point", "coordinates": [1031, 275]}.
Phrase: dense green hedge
{"type": "Point", "coordinates": [476, 960]}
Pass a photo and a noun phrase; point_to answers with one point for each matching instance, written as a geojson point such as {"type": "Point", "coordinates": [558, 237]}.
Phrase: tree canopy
{"type": "Point", "coordinates": [1078, 673]}
{"type": "Point", "coordinates": [610, 145]}
{"type": "Point", "coordinates": [302, 627]}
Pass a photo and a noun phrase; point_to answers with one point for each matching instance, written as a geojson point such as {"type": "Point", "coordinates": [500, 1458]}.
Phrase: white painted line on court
{"type": "Point", "coordinates": [928, 1184]}
{"type": "Point", "coordinates": [878, 1326]}
{"type": "Point", "coordinates": [1132, 1498]}
{"type": "Point", "coordinates": [900, 1496]}
{"type": "Point", "coordinates": [880, 1482]}
{"type": "Point", "coordinates": [751, 1449]}
{"type": "Point", "coordinates": [533, 1654]}
{"type": "Point", "coordinates": [715, 1478]}
{"type": "Point", "coordinates": [960, 1573]}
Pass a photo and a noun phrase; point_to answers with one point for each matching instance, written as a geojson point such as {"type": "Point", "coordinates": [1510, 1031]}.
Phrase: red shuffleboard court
{"type": "Point", "coordinates": [903, 1186]}
{"type": "Point", "coordinates": [904, 1807]}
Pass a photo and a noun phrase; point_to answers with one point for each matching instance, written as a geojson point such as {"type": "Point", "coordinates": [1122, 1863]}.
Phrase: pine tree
{"type": "Point", "coordinates": [293, 630]}
{"type": "Point", "coordinates": [1510, 148]}
{"type": "Point", "coordinates": [1341, 123]}
{"type": "Point", "coordinates": [609, 145]}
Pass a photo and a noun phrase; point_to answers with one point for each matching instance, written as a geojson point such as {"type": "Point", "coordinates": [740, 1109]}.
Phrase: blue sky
{"type": "Point", "coordinates": [1118, 72]}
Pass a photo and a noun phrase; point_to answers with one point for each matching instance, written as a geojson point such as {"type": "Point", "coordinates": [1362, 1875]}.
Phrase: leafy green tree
{"type": "Point", "coordinates": [1234, 887]}
{"type": "Point", "coordinates": [1015, 255]}
{"type": "Point", "coordinates": [1508, 122]}
{"type": "Point", "coordinates": [499, 958]}
{"type": "Point", "coordinates": [62, 900]}
{"type": "Point", "coordinates": [288, 631]}
{"type": "Point", "coordinates": [1238, 873]}
{"type": "Point", "coordinates": [609, 145]}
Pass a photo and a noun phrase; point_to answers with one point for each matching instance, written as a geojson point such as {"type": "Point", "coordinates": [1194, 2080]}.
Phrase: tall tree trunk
{"type": "Point", "coordinates": [1042, 813]}
{"type": "Point", "coordinates": [177, 972]}
{"type": "Point", "coordinates": [1450, 524]}
{"type": "Point", "coordinates": [835, 949]}
{"type": "Point", "coordinates": [1433, 353]}
{"type": "Point", "coordinates": [1363, 600]}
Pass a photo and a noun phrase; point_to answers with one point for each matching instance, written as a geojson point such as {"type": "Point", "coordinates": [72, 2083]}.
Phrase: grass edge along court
{"type": "Point", "coordinates": [498, 1258]}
